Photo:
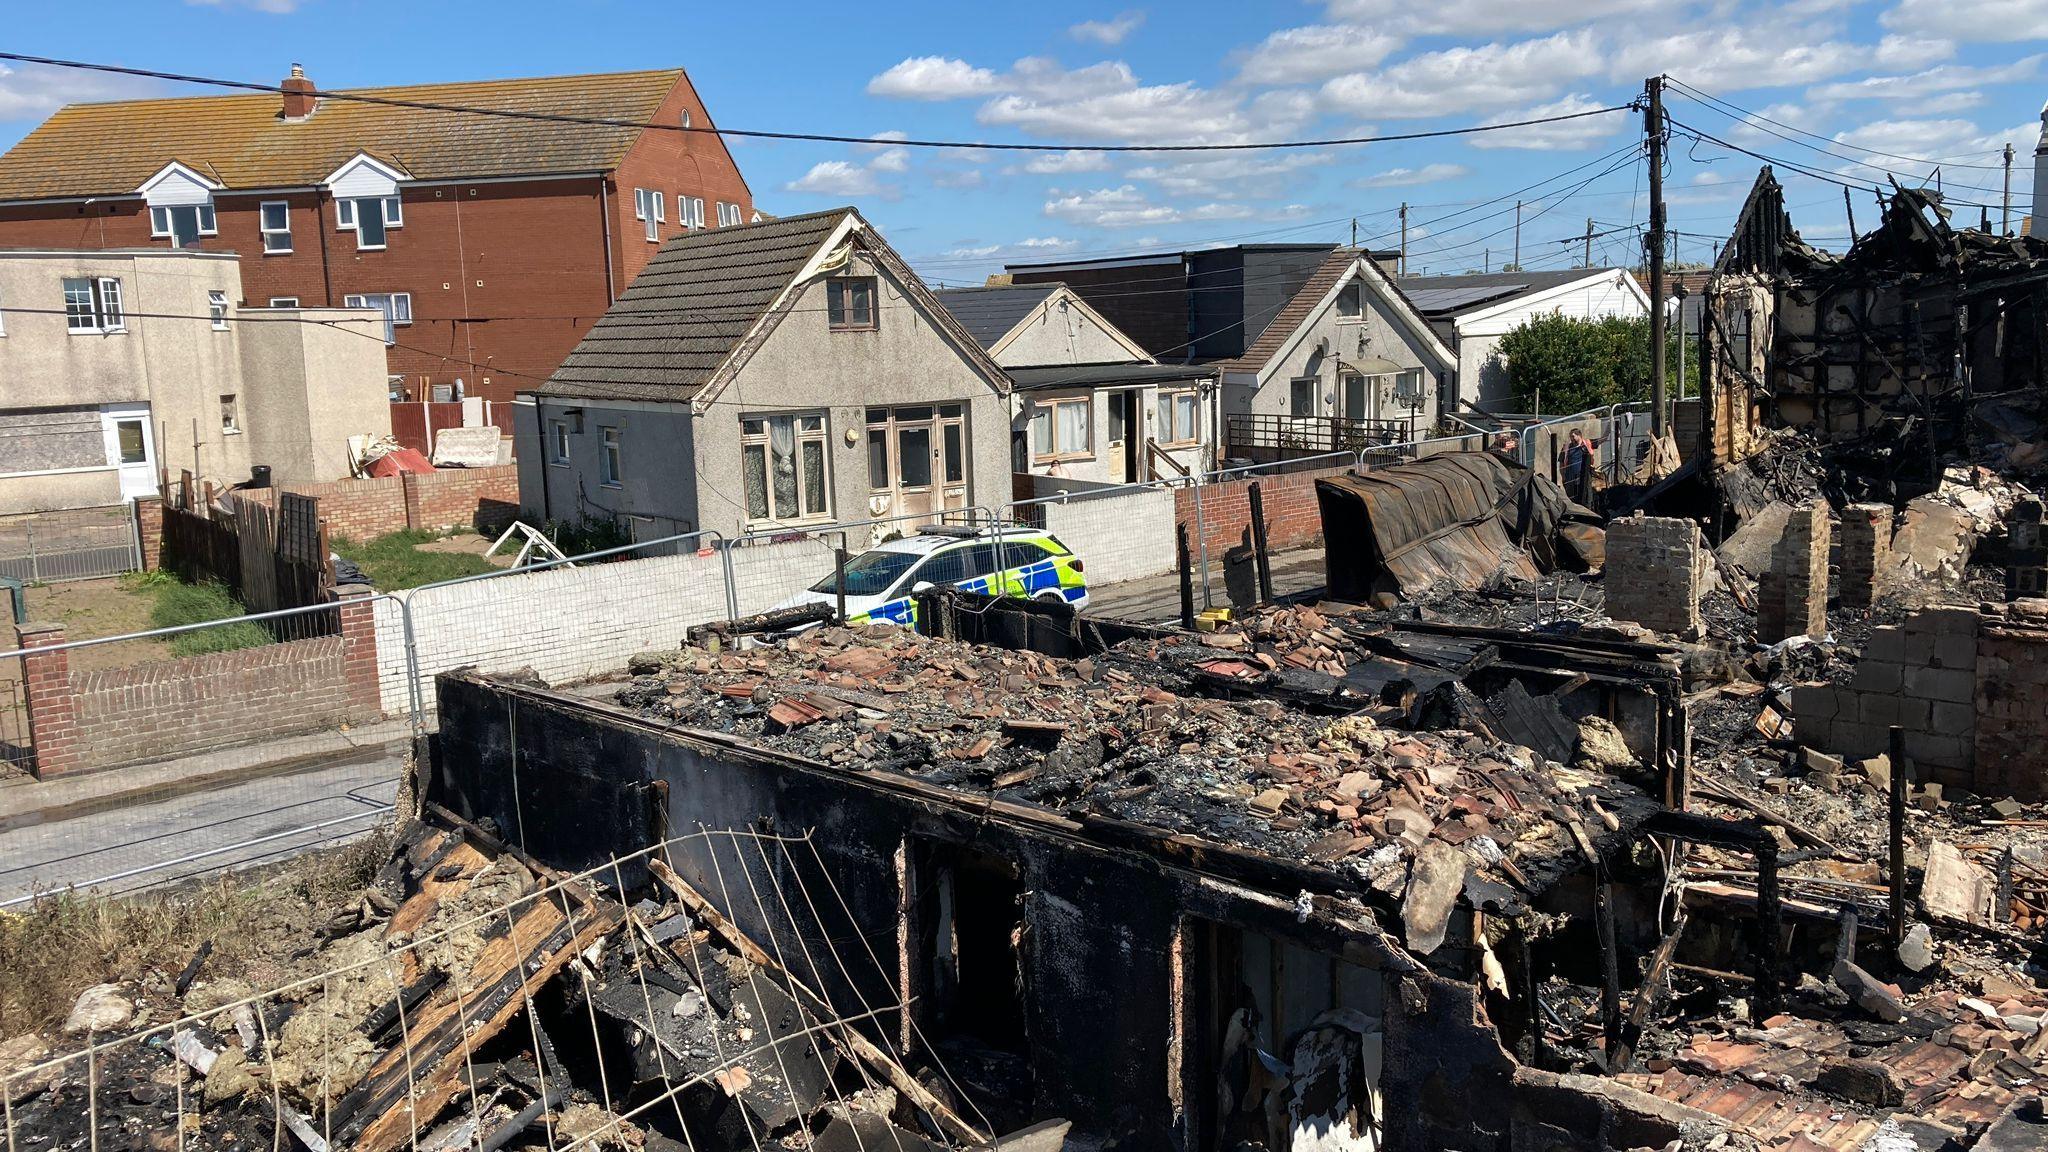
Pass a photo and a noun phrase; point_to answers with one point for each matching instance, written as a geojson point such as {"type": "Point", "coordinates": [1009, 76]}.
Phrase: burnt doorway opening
{"type": "Point", "coordinates": [970, 938]}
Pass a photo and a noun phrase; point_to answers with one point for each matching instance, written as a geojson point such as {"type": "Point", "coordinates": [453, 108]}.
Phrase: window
{"type": "Point", "coordinates": [686, 118]}
{"type": "Point", "coordinates": [217, 309]}
{"type": "Point", "coordinates": [284, 301]}
{"type": "Point", "coordinates": [368, 218]}
{"type": "Point", "coordinates": [689, 211]}
{"type": "Point", "coordinates": [648, 206]}
{"type": "Point", "coordinates": [129, 440]}
{"type": "Point", "coordinates": [93, 305]}
{"type": "Point", "coordinates": [275, 218]}
{"type": "Point", "coordinates": [728, 215]}
{"type": "Point", "coordinates": [396, 307]}
{"type": "Point", "coordinates": [1351, 301]}
{"type": "Point", "coordinates": [1301, 396]}
{"type": "Point", "coordinates": [850, 303]}
{"type": "Point", "coordinates": [183, 224]}
{"type": "Point", "coordinates": [783, 466]}
{"type": "Point", "coordinates": [560, 428]}
{"type": "Point", "coordinates": [1063, 429]}
{"type": "Point", "coordinates": [230, 421]}
{"type": "Point", "coordinates": [609, 466]}
{"type": "Point", "coordinates": [1179, 421]}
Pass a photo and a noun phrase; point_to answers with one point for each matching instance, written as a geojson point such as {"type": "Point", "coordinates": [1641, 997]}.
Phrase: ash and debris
{"type": "Point", "coordinates": [1135, 733]}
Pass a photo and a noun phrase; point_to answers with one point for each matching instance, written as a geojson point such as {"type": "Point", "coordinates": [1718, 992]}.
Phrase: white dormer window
{"type": "Point", "coordinates": [369, 218]}
{"type": "Point", "coordinates": [180, 205]}
{"type": "Point", "coordinates": [366, 199]}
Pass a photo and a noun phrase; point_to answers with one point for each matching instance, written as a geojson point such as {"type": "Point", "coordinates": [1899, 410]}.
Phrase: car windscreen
{"type": "Point", "coordinates": [870, 573]}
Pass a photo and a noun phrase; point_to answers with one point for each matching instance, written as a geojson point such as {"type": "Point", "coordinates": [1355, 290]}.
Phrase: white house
{"type": "Point", "coordinates": [1472, 312]}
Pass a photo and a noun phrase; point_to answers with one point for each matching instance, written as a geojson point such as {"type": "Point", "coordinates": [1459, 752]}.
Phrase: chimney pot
{"type": "Point", "coordinates": [298, 94]}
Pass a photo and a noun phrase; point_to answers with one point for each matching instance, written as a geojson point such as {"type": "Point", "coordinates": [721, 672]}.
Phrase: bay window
{"type": "Point", "coordinates": [783, 464]}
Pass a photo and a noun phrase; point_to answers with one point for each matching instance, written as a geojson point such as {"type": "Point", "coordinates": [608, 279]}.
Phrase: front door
{"type": "Point", "coordinates": [131, 450]}
{"type": "Point", "coordinates": [1121, 436]}
{"type": "Point", "coordinates": [917, 459]}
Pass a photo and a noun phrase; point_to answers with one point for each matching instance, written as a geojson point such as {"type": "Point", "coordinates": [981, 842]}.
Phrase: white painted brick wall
{"type": "Point", "coordinates": [1117, 537]}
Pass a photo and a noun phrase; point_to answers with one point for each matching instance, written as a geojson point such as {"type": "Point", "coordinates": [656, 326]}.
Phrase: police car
{"type": "Point", "coordinates": [880, 582]}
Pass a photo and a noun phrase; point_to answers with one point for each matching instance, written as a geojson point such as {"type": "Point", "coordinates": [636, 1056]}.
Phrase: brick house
{"type": "Point", "coordinates": [491, 243]}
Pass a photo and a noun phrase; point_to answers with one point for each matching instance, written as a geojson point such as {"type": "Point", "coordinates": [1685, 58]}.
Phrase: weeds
{"type": "Point", "coordinates": [61, 944]}
{"type": "Point", "coordinates": [179, 604]}
{"type": "Point", "coordinates": [394, 561]}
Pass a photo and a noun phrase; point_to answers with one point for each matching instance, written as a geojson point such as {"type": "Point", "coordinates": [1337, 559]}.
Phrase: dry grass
{"type": "Point", "coordinates": [55, 948]}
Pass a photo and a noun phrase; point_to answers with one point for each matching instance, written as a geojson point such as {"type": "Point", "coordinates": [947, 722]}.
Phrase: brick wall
{"type": "Point", "coordinates": [2011, 737]}
{"type": "Point", "coordinates": [1792, 595]}
{"type": "Point", "coordinates": [1922, 677]}
{"type": "Point", "coordinates": [1653, 573]}
{"type": "Point", "coordinates": [486, 499]}
{"type": "Point", "coordinates": [1866, 552]}
{"type": "Point", "coordinates": [1293, 519]}
{"type": "Point", "coordinates": [149, 528]}
{"type": "Point", "coordinates": [111, 717]}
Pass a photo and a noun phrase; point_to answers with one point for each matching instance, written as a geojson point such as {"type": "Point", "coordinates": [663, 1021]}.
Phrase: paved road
{"type": "Point", "coordinates": [1156, 599]}
{"type": "Point", "coordinates": [149, 843]}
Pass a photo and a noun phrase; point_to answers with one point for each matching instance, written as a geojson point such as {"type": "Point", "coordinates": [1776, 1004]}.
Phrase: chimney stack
{"type": "Point", "coordinates": [298, 95]}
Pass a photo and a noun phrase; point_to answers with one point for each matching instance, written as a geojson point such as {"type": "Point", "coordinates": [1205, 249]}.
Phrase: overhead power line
{"type": "Point", "coordinates": [823, 137]}
{"type": "Point", "coordinates": [1683, 129]}
{"type": "Point", "coordinates": [1736, 110]}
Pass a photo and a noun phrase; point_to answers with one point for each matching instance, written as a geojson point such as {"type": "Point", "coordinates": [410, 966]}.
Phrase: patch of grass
{"type": "Point", "coordinates": [59, 945]}
{"type": "Point", "coordinates": [147, 580]}
{"type": "Point", "coordinates": [394, 561]}
{"type": "Point", "coordinates": [179, 604]}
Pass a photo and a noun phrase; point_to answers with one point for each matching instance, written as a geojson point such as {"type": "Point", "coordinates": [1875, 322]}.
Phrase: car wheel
{"type": "Point", "coordinates": [1051, 595]}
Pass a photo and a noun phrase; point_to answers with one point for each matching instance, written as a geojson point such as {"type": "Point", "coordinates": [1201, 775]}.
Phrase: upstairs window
{"type": "Point", "coordinates": [728, 215]}
{"type": "Point", "coordinates": [649, 207]}
{"type": "Point", "coordinates": [1351, 301]}
{"type": "Point", "coordinates": [93, 305]}
{"type": "Point", "coordinates": [182, 224]}
{"type": "Point", "coordinates": [217, 310]}
{"type": "Point", "coordinates": [369, 218]}
{"type": "Point", "coordinates": [396, 307]}
{"type": "Point", "coordinates": [276, 222]}
{"type": "Point", "coordinates": [690, 211]}
{"type": "Point", "coordinates": [850, 303]}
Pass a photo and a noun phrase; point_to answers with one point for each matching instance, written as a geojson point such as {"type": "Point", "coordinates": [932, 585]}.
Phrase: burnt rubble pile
{"type": "Point", "coordinates": [481, 1000]}
{"type": "Point", "coordinates": [1326, 774]}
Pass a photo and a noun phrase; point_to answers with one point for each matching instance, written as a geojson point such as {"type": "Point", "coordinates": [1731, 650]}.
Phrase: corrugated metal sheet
{"type": "Point", "coordinates": [1407, 527]}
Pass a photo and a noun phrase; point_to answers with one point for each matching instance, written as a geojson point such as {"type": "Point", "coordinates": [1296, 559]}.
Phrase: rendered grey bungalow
{"type": "Point", "coordinates": [764, 377]}
{"type": "Point", "coordinates": [1088, 402]}
{"type": "Point", "coordinates": [1348, 362]}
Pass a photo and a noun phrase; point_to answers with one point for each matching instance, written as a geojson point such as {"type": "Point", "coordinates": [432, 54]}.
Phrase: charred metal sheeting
{"type": "Point", "coordinates": [1460, 516]}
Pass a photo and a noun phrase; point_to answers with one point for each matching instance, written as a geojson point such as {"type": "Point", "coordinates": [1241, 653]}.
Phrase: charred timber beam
{"type": "Point", "coordinates": [1648, 992]}
{"type": "Point", "coordinates": [1754, 838]}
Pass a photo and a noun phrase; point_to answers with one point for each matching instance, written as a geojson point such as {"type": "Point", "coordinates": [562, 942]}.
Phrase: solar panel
{"type": "Point", "coordinates": [1461, 296]}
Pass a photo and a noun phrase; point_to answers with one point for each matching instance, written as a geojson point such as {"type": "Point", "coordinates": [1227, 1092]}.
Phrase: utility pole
{"type": "Point", "coordinates": [1587, 260]}
{"type": "Point", "coordinates": [2005, 201]}
{"type": "Point", "coordinates": [1404, 237]}
{"type": "Point", "coordinates": [1354, 231]}
{"type": "Point", "coordinates": [1518, 235]}
{"type": "Point", "coordinates": [1486, 260]}
{"type": "Point", "coordinates": [1654, 125]}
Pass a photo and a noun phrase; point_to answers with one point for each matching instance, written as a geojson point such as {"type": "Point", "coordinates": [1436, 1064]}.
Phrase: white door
{"type": "Point", "coordinates": [130, 448]}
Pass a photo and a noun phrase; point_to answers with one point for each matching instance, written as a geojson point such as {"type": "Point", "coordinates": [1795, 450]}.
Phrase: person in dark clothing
{"type": "Point", "coordinates": [1580, 462]}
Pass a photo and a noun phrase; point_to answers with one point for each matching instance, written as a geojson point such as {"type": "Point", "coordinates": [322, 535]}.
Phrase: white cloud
{"type": "Point", "coordinates": [33, 91]}
{"type": "Point", "coordinates": [1935, 140]}
{"type": "Point", "coordinates": [1409, 177]}
{"type": "Point", "coordinates": [971, 178]}
{"type": "Point", "coordinates": [1317, 52]}
{"type": "Point", "coordinates": [1467, 79]}
{"type": "Point", "coordinates": [1126, 207]}
{"type": "Point", "coordinates": [1732, 58]}
{"type": "Point", "coordinates": [1481, 17]}
{"type": "Point", "coordinates": [891, 160]}
{"type": "Point", "coordinates": [1562, 136]}
{"type": "Point", "coordinates": [884, 140]}
{"type": "Point", "coordinates": [1231, 177]}
{"type": "Point", "coordinates": [839, 178]}
{"type": "Point", "coordinates": [1030, 246]}
{"type": "Point", "coordinates": [1111, 31]}
{"type": "Point", "coordinates": [1959, 79]}
{"type": "Point", "coordinates": [1061, 163]}
{"type": "Point", "coordinates": [1983, 20]}
{"type": "Point", "coordinates": [933, 78]}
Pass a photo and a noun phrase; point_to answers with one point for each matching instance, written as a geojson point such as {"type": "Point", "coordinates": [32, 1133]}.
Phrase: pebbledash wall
{"type": "Point", "coordinates": [1965, 685]}
{"type": "Point", "coordinates": [111, 717]}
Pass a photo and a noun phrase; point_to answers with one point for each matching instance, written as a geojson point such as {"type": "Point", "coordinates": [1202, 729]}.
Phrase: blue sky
{"type": "Point", "coordinates": [1859, 88]}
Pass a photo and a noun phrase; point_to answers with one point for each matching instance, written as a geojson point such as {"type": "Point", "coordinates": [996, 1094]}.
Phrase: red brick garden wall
{"type": "Point", "coordinates": [1292, 518]}
{"type": "Point", "coordinates": [486, 499]}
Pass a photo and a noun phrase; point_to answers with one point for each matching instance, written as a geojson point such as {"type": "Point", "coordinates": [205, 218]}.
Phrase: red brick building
{"type": "Point", "coordinates": [492, 242]}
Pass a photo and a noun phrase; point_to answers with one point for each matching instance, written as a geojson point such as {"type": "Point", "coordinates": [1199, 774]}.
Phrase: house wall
{"type": "Point", "coordinates": [308, 384]}
{"type": "Point", "coordinates": [657, 494]}
{"type": "Point", "coordinates": [1060, 334]}
{"type": "Point", "coordinates": [1101, 466]}
{"type": "Point", "coordinates": [1483, 376]}
{"type": "Point", "coordinates": [1147, 298]}
{"type": "Point", "coordinates": [505, 276]}
{"type": "Point", "coordinates": [805, 366]}
{"type": "Point", "coordinates": [1387, 338]}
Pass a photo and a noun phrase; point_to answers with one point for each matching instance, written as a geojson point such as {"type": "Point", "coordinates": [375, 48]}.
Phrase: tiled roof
{"type": "Point", "coordinates": [243, 141]}
{"type": "Point", "coordinates": [696, 300]}
{"type": "Point", "coordinates": [1296, 313]}
{"type": "Point", "coordinates": [989, 313]}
